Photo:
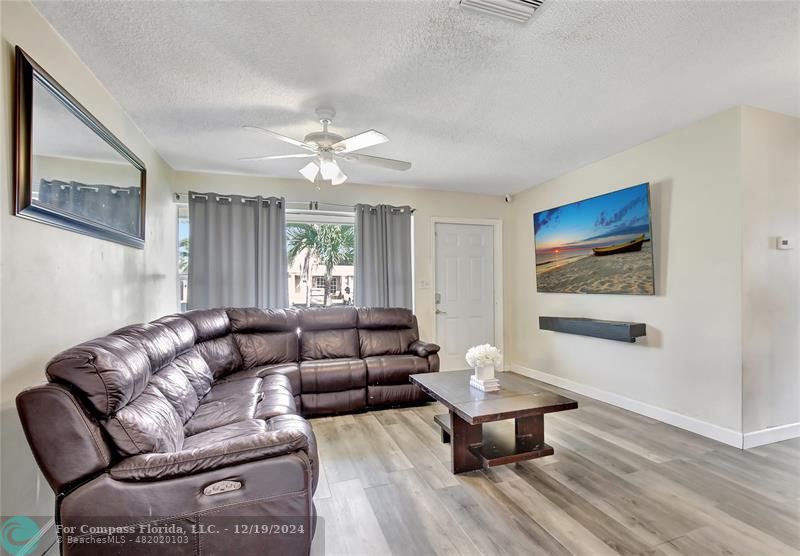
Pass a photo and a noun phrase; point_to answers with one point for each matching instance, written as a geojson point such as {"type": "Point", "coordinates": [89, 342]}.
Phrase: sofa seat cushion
{"type": "Point", "coordinates": [332, 375]}
{"type": "Point", "coordinates": [254, 441]}
{"type": "Point", "coordinates": [220, 412]}
{"type": "Point", "coordinates": [393, 369]}
{"type": "Point", "coordinates": [225, 433]}
{"type": "Point", "coordinates": [248, 428]}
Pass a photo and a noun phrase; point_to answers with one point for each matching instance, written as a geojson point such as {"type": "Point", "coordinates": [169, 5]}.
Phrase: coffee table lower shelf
{"type": "Point", "coordinates": [499, 444]}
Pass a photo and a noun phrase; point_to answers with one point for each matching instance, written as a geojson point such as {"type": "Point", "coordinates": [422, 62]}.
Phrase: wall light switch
{"type": "Point", "coordinates": [785, 243]}
{"type": "Point", "coordinates": [424, 284]}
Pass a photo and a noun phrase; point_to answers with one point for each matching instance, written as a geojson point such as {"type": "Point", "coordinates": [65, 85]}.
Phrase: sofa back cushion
{"type": "Point", "coordinates": [146, 378]}
{"type": "Point", "coordinates": [328, 333]}
{"type": "Point", "coordinates": [109, 372]}
{"type": "Point", "coordinates": [214, 342]}
{"type": "Point", "coordinates": [265, 336]}
{"type": "Point", "coordinates": [387, 331]}
{"type": "Point", "coordinates": [196, 370]}
{"type": "Point", "coordinates": [178, 391]}
{"type": "Point", "coordinates": [147, 424]}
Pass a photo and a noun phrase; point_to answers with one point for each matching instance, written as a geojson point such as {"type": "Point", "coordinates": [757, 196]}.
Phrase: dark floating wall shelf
{"type": "Point", "coordinates": [608, 329]}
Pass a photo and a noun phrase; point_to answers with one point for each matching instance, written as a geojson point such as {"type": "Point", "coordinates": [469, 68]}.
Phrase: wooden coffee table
{"type": "Point", "coordinates": [475, 446]}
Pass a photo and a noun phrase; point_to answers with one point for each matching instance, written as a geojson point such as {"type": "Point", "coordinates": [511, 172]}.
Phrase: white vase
{"type": "Point", "coordinates": [484, 372]}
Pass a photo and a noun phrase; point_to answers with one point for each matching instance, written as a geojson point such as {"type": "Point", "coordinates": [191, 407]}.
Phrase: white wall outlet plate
{"type": "Point", "coordinates": [784, 243]}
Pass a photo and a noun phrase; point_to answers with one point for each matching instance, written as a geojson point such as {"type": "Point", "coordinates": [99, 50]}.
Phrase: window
{"type": "Point", "coordinates": [183, 257]}
{"type": "Point", "coordinates": [320, 247]}
{"type": "Point", "coordinates": [318, 283]}
{"type": "Point", "coordinates": [321, 256]}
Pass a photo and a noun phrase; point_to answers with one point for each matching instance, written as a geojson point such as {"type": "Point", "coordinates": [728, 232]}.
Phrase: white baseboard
{"type": "Point", "coordinates": [703, 428]}
{"type": "Point", "coordinates": [771, 434]}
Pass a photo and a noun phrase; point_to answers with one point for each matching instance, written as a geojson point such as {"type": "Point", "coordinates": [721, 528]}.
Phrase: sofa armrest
{"type": "Point", "coordinates": [423, 349]}
{"type": "Point", "coordinates": [157, 466]}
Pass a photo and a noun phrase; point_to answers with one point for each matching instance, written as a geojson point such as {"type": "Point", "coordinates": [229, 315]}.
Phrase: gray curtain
{"type": "Point", "coordinates": [117, 207]}
{"type": "Point", "coordinates": [383, 256]}
{"type": "Point", "coordinates": [237, 251]}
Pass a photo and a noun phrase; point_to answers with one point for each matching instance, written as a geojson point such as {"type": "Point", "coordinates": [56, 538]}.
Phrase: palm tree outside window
{"type": "Point", "coordinates": [320, 263]}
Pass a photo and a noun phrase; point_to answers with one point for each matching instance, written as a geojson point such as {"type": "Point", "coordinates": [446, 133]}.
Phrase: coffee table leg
{"type": "Point", "coordinates": [463, 436]}
{"type": "Point", "coordinates": [532, 427]}
{"type": "Point", "coordinates": [445, 437]}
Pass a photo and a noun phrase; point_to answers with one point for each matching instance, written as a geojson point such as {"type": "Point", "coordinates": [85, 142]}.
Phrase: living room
{"type": "Point", "coordinates": [345, 224]}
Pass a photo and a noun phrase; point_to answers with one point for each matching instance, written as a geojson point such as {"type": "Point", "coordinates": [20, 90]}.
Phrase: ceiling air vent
{"type": "Point", "coordinates": [515, 10]}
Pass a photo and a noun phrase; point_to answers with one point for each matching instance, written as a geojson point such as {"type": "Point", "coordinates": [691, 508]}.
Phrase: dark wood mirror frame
{"type": "Point", "coordinates": [27, 70]}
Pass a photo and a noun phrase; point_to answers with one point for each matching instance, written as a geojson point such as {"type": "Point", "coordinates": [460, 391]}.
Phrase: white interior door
{"type": "Point", "coordinates": [465, 294]}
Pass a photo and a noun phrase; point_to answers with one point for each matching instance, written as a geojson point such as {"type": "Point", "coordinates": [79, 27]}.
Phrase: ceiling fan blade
{"type": "Point", "coordinates": [390, 163]}
{"type": "Point", "coordinates": [365, 139]}
{"type": "Point", "coordinates": [283, 138]}
{"type": "Point", "coordinates": [278, 156]}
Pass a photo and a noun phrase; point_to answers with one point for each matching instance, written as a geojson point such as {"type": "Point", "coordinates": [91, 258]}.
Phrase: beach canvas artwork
{"type": "Point", "coordinates": [598, 245]}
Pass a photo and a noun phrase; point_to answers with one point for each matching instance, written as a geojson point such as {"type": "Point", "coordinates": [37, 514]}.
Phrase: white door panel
{"type": "Point", "coordinates": [464, 280]}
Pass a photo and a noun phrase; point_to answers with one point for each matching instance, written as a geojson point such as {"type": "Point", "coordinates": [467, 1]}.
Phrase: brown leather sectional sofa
{"type": "Point", "coordinates": [191, 427]}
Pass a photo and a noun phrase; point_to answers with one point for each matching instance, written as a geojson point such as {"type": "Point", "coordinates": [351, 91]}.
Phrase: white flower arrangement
{"type": "Point", "coordinates": [483, 355]}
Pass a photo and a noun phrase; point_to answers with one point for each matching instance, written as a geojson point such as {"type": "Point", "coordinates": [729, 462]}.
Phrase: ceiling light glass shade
{"type": "Point", "coordinates": [328, 168]}
{"type": "Point", "coordinates": [309, 171]}
{"type": "Point", "coordinates": [340, 177]}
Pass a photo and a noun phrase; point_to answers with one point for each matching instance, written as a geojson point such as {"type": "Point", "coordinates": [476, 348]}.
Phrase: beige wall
{"type": "Point", "coordinates": [771, 278]}
{"type": "Point", "coordinates": [428, 204]}
{"type": "Point", "coordinates": [58, 288]}
{"type": "Point", "coordinates": [690, 361]}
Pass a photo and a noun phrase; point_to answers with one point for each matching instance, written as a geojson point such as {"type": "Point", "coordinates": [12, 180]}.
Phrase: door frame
{"type": "Point", "coordinates": [497, 224]}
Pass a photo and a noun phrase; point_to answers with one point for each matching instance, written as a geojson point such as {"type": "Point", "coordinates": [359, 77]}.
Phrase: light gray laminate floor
{"type": "Point", "coordinates": [619, 483]}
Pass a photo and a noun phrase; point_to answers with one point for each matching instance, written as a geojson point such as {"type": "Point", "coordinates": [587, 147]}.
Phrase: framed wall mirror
{"type": "Point", "coordinates": [70, 171]}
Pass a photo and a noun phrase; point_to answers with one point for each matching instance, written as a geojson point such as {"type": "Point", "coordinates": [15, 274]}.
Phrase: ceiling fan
{"type": "Point", "coordinates": [327, 148]}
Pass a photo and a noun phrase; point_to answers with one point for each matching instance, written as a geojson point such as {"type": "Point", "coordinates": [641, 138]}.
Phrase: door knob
{"type": "Point", "coordinates": [438, 312]}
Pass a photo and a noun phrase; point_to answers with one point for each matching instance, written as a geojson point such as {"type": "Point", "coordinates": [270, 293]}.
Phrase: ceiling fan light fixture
{"type": "Point", "coordinates": [325, 147]}
{"type": "Point", "coordinates": [339, 178]}
{"type": "Point", "coordinates": [309, 171]}
{"type": "Point", "coordinates": [328, 168]}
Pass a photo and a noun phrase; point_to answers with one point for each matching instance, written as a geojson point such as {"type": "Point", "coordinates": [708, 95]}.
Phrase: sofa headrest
{"type": "Point", "coordinates": [159, 341]}
{"type": "Point", "coordinates": [182, 328]}
{"type": "Point", "coordinates": [109, 371]}
{"type": "Point", "coordinates": [209, 323]}
{"type": "Point", "coordinates": [329, 318]}
{"type": "Point", "coordinates": [380, 318]}
{"type": "Point", "coordinates": [262, 320]}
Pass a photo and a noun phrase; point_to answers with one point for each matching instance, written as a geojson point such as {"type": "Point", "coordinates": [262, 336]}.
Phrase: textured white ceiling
{"type": "Point", "coordinates": [475, 103]}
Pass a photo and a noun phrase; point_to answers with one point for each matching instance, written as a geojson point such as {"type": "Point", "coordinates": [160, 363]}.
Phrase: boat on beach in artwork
{"type": "Point", "coordinates": [625, 247]}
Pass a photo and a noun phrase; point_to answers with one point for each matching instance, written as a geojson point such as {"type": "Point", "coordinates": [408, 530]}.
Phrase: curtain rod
{"type": "Point", "coordinates": [297, 205]}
